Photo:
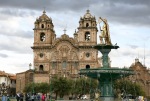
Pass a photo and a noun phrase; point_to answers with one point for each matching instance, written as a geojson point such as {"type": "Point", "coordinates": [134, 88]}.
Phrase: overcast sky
{"type": "Point", "coordinates": [129, 22]}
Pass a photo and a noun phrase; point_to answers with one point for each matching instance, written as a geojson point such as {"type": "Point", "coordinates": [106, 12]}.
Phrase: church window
{"type": "Point", "coordinates": [41, 68]}
{"type": "Point", "coordinates": [41, 55]}
{"type": "Point", "coordinates": [48, 26]}
{"type": "Point", "coordinates": [87, 54]}
{"type": "Point", "coordinates": [87, 36]}
{"type": "Point", "coordinates": [64, 64]}
{"type": "Point", "coordinates": [42, 37]}
{"type": "Point", "coordinates": [87, 67]}
{"type": "Point", "coordinates": [42, 26]}
{"type": "Point", "coordinates": [87, 24]}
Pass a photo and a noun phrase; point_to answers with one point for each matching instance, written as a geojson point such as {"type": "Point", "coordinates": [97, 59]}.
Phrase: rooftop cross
{"type": "Point", "coordinates": [64, 30]}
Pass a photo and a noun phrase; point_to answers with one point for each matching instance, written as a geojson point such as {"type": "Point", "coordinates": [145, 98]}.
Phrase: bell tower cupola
{"type": "Point", "coordinates": [44, 33]}
{"type": "Point", "coordinates": [87, 30]}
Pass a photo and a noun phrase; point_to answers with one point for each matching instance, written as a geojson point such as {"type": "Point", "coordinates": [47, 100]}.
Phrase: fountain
{"type": "Point", "coordinates": [105, 75]}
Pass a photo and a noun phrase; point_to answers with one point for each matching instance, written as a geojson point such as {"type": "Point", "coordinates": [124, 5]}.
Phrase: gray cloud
{"type": "Point", "coordinates": [19, 33]}
{"type": "Point", "coordinates": [50, 5]}
{"type": "Point", "coordinates": [9, 12]}
{"type": "Point", "coordinates": [17, 45]}
{"type": "Point", "coordinates": [134, 12]}
{"type": "Point", "coordinates": [3, 55]}
{"type": "Point", "coordinates": [133, 46]}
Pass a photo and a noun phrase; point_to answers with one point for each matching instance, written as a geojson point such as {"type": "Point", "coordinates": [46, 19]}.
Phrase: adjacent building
{"type": "Point", "coordinates": [142, 76]}
{"type": "Point", "coordinates": [9, 82]}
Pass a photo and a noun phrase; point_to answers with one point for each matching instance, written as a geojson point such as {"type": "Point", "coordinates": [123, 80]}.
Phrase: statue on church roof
{"type": "Point", "coordinates": [105, 35]}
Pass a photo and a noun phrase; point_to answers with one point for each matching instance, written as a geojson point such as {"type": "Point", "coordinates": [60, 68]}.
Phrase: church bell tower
{"type": "Point", "coordinates": [87, 30]}
{"type": "Point", "coordinates": [44, 36]}
{"type": "Point", "coordinates": [87, 38]}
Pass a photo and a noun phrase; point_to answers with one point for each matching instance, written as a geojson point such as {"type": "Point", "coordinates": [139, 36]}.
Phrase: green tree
{"type": "Point", "coordinates": [43, 87]}
{"type": "Point", "coordinates": [82, 86]}
{"type": "Point", "coordinates": [61, 86]}
{"type": "Point", "coordinates": [37, 87]}
{"type": "Point", "coordinates": [128, 87]}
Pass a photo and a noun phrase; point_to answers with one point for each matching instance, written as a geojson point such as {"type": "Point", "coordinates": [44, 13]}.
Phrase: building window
{"type": "Point", "coordinates": [87, 24]}
{"type": "Point", "coordinates": [41, 68]}
{"type": "Point", "coordinates": [42, 37]}
{"type": "Point", "coordinates": [64, 64]}
{"type": "Point", "coordinates": [87, 36]}
{"type": "Point", "coordinates": [41, 55]}
{"type": "Point", "coordinates": [42, 26]}
{"type": "Point", "coordinates": [87, 66]}
{"type": "Point", "coordinates": [87, 55]}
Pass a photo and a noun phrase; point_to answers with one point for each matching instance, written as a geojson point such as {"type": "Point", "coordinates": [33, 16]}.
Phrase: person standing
{"type": "Point", "coordinates": [43, 97]}
{"type": "Point", "coordinates": [21, 96]}
{"type": "Point", "coordinates": [32, 97]}
{"type": "Point", "coordinates": [27, 97]}
{"type": "Point", "coordinates": [18, 97]}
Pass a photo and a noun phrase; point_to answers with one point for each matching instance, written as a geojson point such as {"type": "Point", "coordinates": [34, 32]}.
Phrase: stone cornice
{"type": "Point", "coordinates": [41, 47]}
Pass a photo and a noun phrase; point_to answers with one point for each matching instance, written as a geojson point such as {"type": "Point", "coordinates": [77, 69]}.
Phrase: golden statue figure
{"type": "Point", "coordinates": [104, 36]}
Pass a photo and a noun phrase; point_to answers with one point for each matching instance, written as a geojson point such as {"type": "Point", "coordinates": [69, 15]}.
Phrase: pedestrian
{"type": "Point", "coordinates": [43, 97]}
{"type": "Point", "coordinates": [18, 97]}
{"type": "Point", "coordinates": [4, 98]}
{"type": "Point", "coordinates": [21, 96]}
{"type": "Point", "coordinates": [27, 97]}
{"type": "Point", "coordinates": [32, 97]}
{"type": "Point", "coordinates": [38, 97]}
{"type": "Point", "coordinates": [8, 99]}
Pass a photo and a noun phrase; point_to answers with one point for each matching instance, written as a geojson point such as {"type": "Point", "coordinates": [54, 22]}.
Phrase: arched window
{"type": "Point", "coordinates": [87, 67]}
{"type": "Point", "coordinates": [42, 26]}
{"type": "Point", "coordinates": [64, 64]}
{"type": "Point", "coordinates": [42, 37]}
{"type": "Point", "coordinates": [87, 36]}
{"type": "Point", "coordinates": [87, 24]}
{"type": "Point", "coordinates": [41, 68]}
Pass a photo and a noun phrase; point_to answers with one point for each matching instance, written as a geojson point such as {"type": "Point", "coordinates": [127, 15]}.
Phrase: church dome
{"type": "Point", "coordinates": [88, 14]}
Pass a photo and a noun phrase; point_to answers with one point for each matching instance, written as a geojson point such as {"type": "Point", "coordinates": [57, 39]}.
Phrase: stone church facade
{"type": "Point", "coordinates": [64, 56]}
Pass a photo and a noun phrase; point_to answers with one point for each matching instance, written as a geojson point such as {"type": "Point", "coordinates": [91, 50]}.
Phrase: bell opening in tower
{"type": "Point", "coordinates": [87, 36]}
{"type": "Point", "coordinates": [42, 36]}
